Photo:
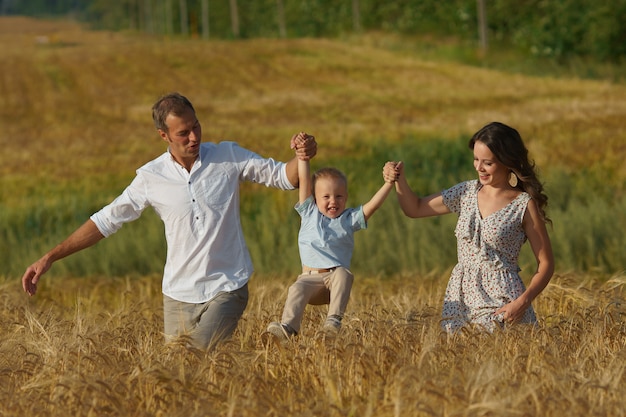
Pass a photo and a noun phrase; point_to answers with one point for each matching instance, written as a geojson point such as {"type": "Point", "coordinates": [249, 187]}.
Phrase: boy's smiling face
{"type": "Point", "coordinates": [331, 195]}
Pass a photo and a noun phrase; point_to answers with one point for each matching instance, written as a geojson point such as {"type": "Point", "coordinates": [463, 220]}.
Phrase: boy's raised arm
{"type": "Point", "coordinates": [378, 199]}
{"type": "Point", "coordinates": [304, 176]}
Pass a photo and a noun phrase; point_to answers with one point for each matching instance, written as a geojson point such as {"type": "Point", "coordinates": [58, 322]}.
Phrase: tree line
{"type": "Point", "coordinates": [555, 28]}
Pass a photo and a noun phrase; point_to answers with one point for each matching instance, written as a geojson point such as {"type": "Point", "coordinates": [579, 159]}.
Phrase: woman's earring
{"type": "Point", "coordinates": [513, 179]}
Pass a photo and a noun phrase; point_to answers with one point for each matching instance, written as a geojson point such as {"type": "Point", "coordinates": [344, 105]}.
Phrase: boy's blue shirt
{"type": "Point", "coordinates": [324, 242]}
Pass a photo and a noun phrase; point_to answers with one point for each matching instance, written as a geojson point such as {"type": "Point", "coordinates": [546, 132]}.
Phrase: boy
{"type": "Point", "coordinates": [326, 242]}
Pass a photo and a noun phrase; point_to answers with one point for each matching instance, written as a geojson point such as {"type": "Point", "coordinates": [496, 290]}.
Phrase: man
{"type": "Point", "coordinates": [194, 188]}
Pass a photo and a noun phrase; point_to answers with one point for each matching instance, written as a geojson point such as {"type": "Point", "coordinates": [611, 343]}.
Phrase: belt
{"type": "Point", "coordinates": [318, 271]}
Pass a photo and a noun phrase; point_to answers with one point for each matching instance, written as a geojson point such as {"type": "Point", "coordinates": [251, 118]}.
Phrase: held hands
{"type": "Point", "coordinates": [304, 145]}
{"type": "Point", "coordinates": [392, 171]}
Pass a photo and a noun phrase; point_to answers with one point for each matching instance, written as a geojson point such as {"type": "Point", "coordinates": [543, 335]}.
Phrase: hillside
{"type": "Point", "coordinates": [83, 99]}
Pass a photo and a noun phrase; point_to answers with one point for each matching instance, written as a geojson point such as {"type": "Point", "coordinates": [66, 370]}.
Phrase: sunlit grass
{"type": "Point", "coordinates": [94, 345]}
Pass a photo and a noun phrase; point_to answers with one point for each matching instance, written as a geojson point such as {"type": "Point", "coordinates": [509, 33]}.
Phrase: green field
{"type": "Point", "coordinates": [76, 123]}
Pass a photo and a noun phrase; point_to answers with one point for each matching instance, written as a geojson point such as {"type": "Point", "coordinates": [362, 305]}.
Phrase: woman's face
{"type": "Point", "coordinates": [490, 170]}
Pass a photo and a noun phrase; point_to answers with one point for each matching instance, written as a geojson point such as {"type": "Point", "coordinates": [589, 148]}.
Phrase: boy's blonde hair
{"type": "Point", "coordinates": [328, 172]}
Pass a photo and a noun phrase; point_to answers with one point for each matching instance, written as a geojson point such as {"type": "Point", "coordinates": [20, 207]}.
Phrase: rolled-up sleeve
{"type": "Point", "coordinates": [127, 207]}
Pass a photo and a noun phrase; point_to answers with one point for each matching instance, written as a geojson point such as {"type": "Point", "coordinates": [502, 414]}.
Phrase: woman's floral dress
{"type": "Point", "coordinates": [486, 276]}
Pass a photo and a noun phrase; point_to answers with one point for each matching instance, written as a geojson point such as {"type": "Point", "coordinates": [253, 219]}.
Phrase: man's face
{"type": "Point", "coordinates": [184, 136]}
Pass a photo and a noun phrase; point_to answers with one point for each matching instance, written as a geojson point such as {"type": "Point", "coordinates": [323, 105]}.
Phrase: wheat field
{"type": "Point", "coordinates": [93, 347]}
{"type": "Point", "coordinates": [74, 109]}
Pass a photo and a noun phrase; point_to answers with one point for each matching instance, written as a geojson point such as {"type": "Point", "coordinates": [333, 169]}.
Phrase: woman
{"type": "Point", "coordinates": [497, 212]}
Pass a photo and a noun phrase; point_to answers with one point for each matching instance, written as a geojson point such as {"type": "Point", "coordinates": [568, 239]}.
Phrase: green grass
{"type": "Point", "coordinates": [587, 233]}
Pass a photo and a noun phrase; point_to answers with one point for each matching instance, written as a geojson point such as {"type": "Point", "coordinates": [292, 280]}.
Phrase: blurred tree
{"type": "Point", "coordinates": [356, 15]}
{"type": "Point", "coordinates": [234, 17]}
{"type": "Point", "coordinates": [184, 18]}
{"type": "Point", "coordinates": [205, 20]}
{"type": "Point", "coordinates": [482, 24]}
{"type": "Point", "coordinates": [280, 13]}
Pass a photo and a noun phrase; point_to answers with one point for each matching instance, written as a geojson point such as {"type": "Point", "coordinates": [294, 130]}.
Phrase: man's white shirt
{"type": "Point", "coordinates": [206, 250]}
